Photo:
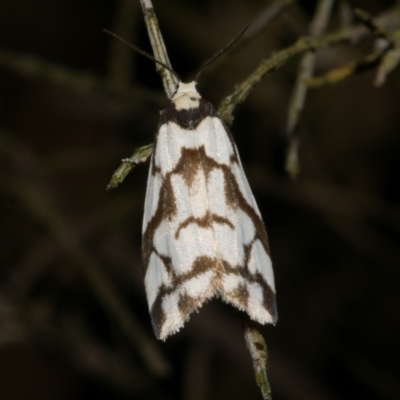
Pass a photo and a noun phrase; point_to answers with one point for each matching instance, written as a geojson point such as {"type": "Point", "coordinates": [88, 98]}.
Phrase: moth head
{"type": "Point", "coordinates": [186, 96]}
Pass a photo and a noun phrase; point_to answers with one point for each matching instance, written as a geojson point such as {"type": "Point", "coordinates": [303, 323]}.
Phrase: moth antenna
{"type": "Point", "coordinates": [222, 51]}
{"type": "Point", "coordinates": [142, 52]}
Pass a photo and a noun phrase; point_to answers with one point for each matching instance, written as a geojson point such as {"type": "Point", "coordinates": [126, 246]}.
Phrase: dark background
{"type": "Point", "coordinates": [73, 314]}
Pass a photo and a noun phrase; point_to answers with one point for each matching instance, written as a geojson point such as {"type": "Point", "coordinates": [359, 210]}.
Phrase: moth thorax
{"type": "Point", "coordinates": [186, 96]}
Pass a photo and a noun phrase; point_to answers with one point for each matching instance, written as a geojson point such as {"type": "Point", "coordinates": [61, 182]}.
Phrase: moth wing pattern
{"type": "Point", "coordinates": [203, 235]}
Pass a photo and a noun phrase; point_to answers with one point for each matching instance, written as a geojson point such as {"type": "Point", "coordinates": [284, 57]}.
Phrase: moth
{"type": "Point", "coordinates": [203, 236]}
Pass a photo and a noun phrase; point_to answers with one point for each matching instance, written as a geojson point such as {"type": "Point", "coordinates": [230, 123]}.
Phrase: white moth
{"type": "Point", "coordinates": [203, 235]}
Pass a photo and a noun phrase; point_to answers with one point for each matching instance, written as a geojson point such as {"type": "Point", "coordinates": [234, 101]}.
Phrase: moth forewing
{"type": "Point", "coordinates": [202, 231]}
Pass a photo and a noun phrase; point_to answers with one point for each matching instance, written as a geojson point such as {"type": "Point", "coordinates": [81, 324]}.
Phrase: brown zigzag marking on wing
{"type": "Point", "coordinates": [268, 294]}
{"type": "Point", "coordinates": [187, 304]}
{"type": "Point", "coordinates": [240, 295]}
{"type": "Point", "coordinates": [204, 222]}
{"type": "Point", "coordinates": [235, 199]}
{"type": "Point", "coordinates": [200, 266]}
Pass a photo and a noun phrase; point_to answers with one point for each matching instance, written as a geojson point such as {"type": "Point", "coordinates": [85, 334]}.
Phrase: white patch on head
{"type": "Point", "coordinates": [186, 96]}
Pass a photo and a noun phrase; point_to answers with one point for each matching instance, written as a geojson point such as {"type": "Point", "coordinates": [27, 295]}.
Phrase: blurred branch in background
{"type": "Point", "coordinates": [305, 70]}
{"type": "Point", "coordinates": [34, 68]}
{"type": "Point", "coordinates": [385, 58]}
{"type": "Point", "coordinates": [276, 61]}
{"type": "Point", "coordinates": [32, 193]}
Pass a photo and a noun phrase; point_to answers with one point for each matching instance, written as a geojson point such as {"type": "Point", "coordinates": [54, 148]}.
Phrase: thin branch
{"type": "Point", "coordinates": [169, 80]}
{"type": "Point", "coordinates": [265, 17]}
{"type": "Point", "coordinates": [157, 43]}
{"type": "Point", "coordinates": [369, 21]}
{"type": "Point", "coordinates": [258, 351]}
{"type": "Point", "coordinates": [277, 60]}
{"type": "Point", "coordinates": [390, 61]}
{"type": "Point", "coordinates": [140, 155]}
{"type": "Point", "coordinates": [305, 71]}
{"type": "Point", "coordinates": [338, 74]}
{"type": "Point", "coordinates": [391, 47]}
{"type": "Point", "coordinates": [386, 57]}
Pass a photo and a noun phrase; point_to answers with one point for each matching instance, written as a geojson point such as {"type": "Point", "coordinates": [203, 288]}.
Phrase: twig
{"type": "Point", "coordinates": [391, 52]}
{"type": "Point", "coordinates": [371, 24]}
{"type": "Point", "coordinates": [159, 50]}
{"type": "Point", "coordinates": [305, 71]}
{"type": "Point", "coordinates": [390, 61]}
{"type": "Point", "coordinates": [276, 61]}
{"type": "Point", "coordinates": [386, 57]}
{"type": "Point", "coordinates": [265, 17]}
{"type": "Point", "coordinates": [338, 74]}
{"type": "Point", "coordinates": [140, 155]}
{"type": "Point", "coordinates": [169, 80]}
{"type": "Point", "coordinates": [258, 351]}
